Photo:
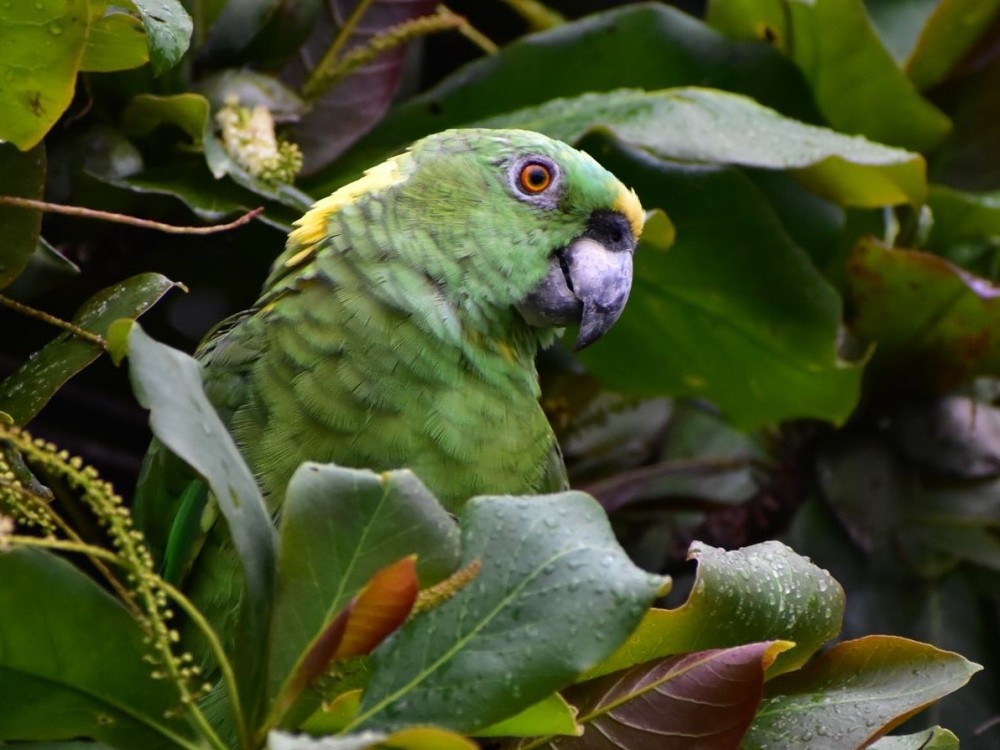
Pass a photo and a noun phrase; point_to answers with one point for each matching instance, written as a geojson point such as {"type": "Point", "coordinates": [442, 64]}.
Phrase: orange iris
{"type": "Point", "coordinates": [535, 178]}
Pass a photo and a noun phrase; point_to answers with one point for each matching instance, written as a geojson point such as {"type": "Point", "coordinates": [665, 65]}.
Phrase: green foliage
{"type": "Point", "coordinates": [810, 343]}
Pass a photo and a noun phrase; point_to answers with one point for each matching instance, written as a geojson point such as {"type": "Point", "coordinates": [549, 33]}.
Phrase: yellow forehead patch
{"type": "Point", "coordinates": [311, 228]}
{"type": "Point", "coordinates": [628, 204]}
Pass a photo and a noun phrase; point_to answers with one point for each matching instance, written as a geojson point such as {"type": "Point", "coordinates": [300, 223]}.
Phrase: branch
{"type": "Point", "coordinates": [93, 213]}
{"type": "Point", "coordinates": [45, 317]}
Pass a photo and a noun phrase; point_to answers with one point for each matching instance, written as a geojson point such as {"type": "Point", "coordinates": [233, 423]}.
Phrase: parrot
{"type": "Point", "coordinates": [399, 329]}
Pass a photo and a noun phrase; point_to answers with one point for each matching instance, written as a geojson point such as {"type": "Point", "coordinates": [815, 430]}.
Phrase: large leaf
{"type": "Point", "coordinates": [555, 594]}
{"type": "Point", "coordinates": [704, 699]}
{"type": "Point", "coordinates": [42, 47]}
{"type": "Point", "coordinates": [760, 593]}
{"type": "Point", "coordinates": [344, 113]}
{"type": "Point", "coordinates": [21, 175]}
{"type": "Point", "coordinates": [935, 325]}
{"type": "Point", "coordinates": [262, 32]}
{"type": "Point", "coordinates": [71, 662]}
{"type": "Point", "coordinates": [855, 692]}
{"type": "Point", "coordinates": [339, 527]}
{"type": "Point", "coordinates": [168, 31]}
{"type": "Point", "coordinates": [665, 48]}
{"type": "Point", "coordinates": [168, 383]}
{"type": "Point", "coordinates": [716, 127]}
{"type": "Point", "coordinates": [25, 392]}
{"type": "Point", "coordinates": [734, 312]}
{"type": "Point", "coordinates": [856, 83]}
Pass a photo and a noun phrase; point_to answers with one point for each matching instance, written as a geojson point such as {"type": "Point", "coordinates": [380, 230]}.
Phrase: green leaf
{"type": "Point", "coordinates": [26, 391]}
{"type": "Point", "coordinates": [665, 48]}
{"type": "Point", "coordinates": [555, 595]}
{"type": "Point", "coordinates": [23, 176]}
{"type": "Point", "coordinates": [741, 284]}
{"type": "Point", "coordinates": [710, 696]}
{"type": "Point", "coordinates": [347, 524]}
{"type": "Point", "coordinates": [39, 58]}
{"type": "Point", "coordinates": [948, 36]}
{"type": "Point", "coordinates": [855, 81]}
{"type": "Point", "coordinates": [115, 41]}
{"type": "Point", "coordinates": [168, 31]}
{"type": "Point", "coordinates": [708, 126]}
{"type": "Point", "coordinates": [168, 383]}
{"type": "Point", "coordinates": [935, 738]}
{"type": "Point", "coordinates": [71, 662]}
{"type": "Point", "coordinates": [552, 715]}
{"type": "Point", "coordinates": [961, 220]}
{"type": "Point", "coordinates": [934, 324]}
{"type": "Point", "coordinates": [46, 268]}
{"type": "Point", "coordinates": [765, 592]}
{"type": "Point", "coordinates": [189, 112]}
{"type": "Point", "coordinates": [855, 692]}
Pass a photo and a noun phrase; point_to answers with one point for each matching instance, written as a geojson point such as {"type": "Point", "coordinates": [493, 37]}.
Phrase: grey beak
{"type": "Point", "coordinates": [588, 282]}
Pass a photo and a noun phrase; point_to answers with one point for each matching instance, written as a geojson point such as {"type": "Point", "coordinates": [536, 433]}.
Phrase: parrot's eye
{"type": "Point", "coordinates": [534, 178]}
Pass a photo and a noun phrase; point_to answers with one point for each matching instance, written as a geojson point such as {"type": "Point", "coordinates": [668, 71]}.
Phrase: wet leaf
{"type": "Point", "coordinates": [61, 681]}
{"type": "Point", "coordinates": [23, 176]}
{"type": "Point", "coordinates": [26, 391]}
{"type": "Point", "coordinates": [934, 324]}
{"type": "Point", "coordinates": [855, 692]}
{"type": "Point", "coordinates": [555, 595]}
{"type": "Point", "coordinates": [705, 699]}
{"type": "Point", "coordinates": [339, 528]}
{"type": "Point", "coordinates": [760, 593]}
{"type": "Point", "coordinates": [716, 127]}
{"type": "Point", "coordinates": [39, 58]}
{"type": "Point", "coordinates": [168, 31]}
{"type": "Point", "coordinates": [836, 47]}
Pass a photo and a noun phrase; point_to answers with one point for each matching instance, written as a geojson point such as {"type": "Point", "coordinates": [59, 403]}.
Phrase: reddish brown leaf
{"type": "Point", "coordinates": [700, 701]}
{"type": "Point", "coordinates": [378, 609]}
{"type": "Point", "coordinates": [349, 110]}
{"type": "Point", "coordinates": [381, 607]}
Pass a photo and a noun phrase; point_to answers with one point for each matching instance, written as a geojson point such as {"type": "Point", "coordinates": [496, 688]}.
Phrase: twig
{"type": "Point", "coordinates": [93, 213]}
{"type": "Point", "coordinates": [45, 317]}
{"type": "Point", "coordinates": [537, 14]}
{"type": "Point", "coordinates": [330, 70]}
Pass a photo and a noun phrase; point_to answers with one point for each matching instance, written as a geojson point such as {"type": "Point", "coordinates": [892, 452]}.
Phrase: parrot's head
{"type": "Point", "coordinates": [506, 225]}
{"type": "Point", "coordinates": [551, 230]}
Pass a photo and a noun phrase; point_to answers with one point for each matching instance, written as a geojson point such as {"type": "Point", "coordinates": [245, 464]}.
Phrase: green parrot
{"type": "Point", "coordinates": [399, 328]}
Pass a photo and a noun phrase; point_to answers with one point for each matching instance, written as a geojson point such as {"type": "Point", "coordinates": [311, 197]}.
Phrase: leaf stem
{"type": "Point", "coordinates": [329, 59]}
{"type": "Point", "coordinates": [115, 218]}
{"type": "Point", "coordinates": [45, 317]}
{"type": "Point", "coordinates": [537, 14]}
{"type": "Point", "coordinates": [225, 666]}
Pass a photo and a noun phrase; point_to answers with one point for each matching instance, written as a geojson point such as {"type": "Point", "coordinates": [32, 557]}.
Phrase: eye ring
{"type": "Point", "coordinates": [534, 177]}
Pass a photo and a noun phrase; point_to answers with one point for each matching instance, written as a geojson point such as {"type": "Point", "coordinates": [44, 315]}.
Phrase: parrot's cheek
{"type": "Point", "coordinates": [587, 284]}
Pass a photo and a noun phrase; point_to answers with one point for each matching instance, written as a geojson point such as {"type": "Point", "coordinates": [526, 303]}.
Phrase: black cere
{"type": "Point", "coordinates": [611, 229]}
